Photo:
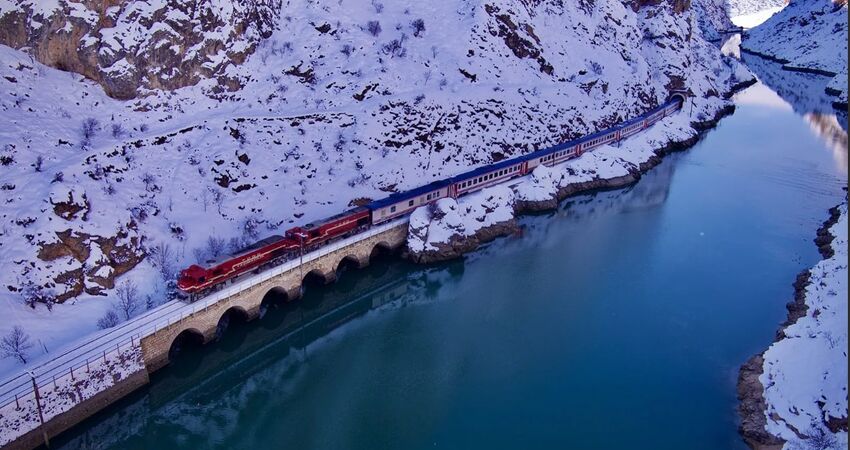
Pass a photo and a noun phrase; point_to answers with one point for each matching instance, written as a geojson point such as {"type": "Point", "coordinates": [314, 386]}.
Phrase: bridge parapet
{"type": "Point", "coordinates": [324, 262]}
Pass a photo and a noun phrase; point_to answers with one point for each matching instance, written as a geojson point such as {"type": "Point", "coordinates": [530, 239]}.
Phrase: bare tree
{"type": "Point", "coordinates": [215, 246]}
{"type": "Point", "coordinates": [89, 130]}
{"type": "Point", "coordinates": [15, 345]}
{"type": "Point", "coordinates": [109, 320]}
{"type": "Point", "coordinates": [128, 298]}
{"type": "Point", "coordinates": [162, 257]}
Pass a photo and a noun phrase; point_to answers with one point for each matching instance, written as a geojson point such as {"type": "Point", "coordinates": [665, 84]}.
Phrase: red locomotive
{"type": "Point", "coordinates": [273, 250]}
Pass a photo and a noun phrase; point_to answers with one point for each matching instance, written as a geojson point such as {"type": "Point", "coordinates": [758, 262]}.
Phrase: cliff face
{"type": "Point", "coordinates": [127, 45]}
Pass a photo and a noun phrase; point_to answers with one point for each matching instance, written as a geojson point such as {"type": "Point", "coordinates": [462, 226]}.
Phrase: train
{"type": "Point", "coordinates": [274, 250]}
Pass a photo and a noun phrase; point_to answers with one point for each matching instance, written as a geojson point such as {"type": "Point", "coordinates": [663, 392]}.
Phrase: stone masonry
{"type": "Point", "coordinates": [155, 347]}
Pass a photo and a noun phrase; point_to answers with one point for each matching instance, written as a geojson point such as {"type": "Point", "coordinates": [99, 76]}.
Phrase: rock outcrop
{"type": "Point", "coordinates": [127, 46]}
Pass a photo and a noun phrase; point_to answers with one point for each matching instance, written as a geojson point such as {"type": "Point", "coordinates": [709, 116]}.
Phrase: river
{"type": "Point", "coordinates": [618, 321]}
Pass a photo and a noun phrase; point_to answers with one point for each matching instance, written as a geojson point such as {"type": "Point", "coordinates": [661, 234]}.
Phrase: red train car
{"type": "Point", "coordinates": [273, 250]}
{"type": "Point", "coordinates": [319, 233]}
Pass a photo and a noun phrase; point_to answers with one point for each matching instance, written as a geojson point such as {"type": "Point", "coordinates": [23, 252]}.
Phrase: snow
{"type": "Point", "coordinates": [810, 35]}
{"type": "Point", "coordinates": [805, 374]}
{"type": "Point", "coordinates": [747, 7]}
{"type": "Point", "coordinates": [314, 148]}
{"type": "Point", "coordinates": [65, 392]}
{"type": "Point", "coordinates": [755, 19]}
{"type": "Point", "coordinates": [448, 218]}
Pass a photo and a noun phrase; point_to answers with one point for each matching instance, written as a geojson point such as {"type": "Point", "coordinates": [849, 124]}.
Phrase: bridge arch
{"type": "Point", "coordinates": [185, 340]}
{"type": "Point", "coordinates": [381, 249]}
{"type": "Point", "coordinates": [351, 262]}
{"type": "Point", "coordinates": [274, 298]}
{"type": "Point", "coordinates": [317, 277]}
{"type": "Point", "coordinates": [234, 314]}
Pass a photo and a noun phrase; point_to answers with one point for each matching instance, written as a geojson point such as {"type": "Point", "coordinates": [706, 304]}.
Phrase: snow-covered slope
{"type": "Point", "coordinates": [131, 45]}
{"type": "Point", "coordinates": [713, 18]}
{"type": "Point", "coordinates": [807, 35]}
{"type": "Point", "coordinates": [747, 7]}
{"type": "Point", "coordinates": [805, 373]}
{"type": "Point", "coordinates": [343, 101]}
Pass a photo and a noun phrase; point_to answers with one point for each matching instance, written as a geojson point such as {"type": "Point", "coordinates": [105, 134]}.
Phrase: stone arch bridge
{"type": "Point", "coordinates": [286, 280]}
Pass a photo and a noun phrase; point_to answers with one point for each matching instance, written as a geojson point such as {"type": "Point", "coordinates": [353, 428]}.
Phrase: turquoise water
{"type": "Point", "coordinates": [618, 321]}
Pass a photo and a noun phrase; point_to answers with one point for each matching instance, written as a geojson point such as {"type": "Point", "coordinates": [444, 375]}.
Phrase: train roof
{"type": "Point", "coordinates": [489, 168]}
{"type": "Point", "coordinates": [245, 250]}
{"type": "Point", "coordinates": [320, 222]}
{"type": "Point", "coordinates": [401, 196]}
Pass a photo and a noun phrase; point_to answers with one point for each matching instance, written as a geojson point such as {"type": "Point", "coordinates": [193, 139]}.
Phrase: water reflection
{"type": "Point", "coordinates": [805, 92]}
{"type": "Point", "coordinates": [195, 399]}
{"type": "Point", "coordinates": [834, 134]}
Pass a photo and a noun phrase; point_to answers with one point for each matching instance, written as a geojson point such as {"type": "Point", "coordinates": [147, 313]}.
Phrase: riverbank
{"type": "Point", "coordinates": [802, 360]}
{"type": "Point", "coordinates": [453, 228]}
{"type": "Point", "coordinates": [806, 37]}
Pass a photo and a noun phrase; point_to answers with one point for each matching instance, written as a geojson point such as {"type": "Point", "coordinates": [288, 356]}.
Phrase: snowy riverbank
{"type": "Point", "coordinates": [794, 395]}
{"type": "Point", "coordinates": [809, 36]}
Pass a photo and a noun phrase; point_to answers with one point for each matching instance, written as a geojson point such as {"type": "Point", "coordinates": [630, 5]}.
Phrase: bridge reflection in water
{"type": "Point", "coordinates": [274, 345]}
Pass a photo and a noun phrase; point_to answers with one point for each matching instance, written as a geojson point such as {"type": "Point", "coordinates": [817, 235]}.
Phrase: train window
{"type": "Point", "coordinates": [410, 203]}
{"type": "Point", "coordinates": [392, 209]}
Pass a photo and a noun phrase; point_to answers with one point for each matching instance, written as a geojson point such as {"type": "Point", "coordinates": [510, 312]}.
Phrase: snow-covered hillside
{"type": "Point", "coordinates": [807, 35]}
{"type": "Point", "coordinates": [739, 8]}
{"type": "Point", "coordinates": [342, 101]}
{"type": "Point", "coordinates": [805, 373]}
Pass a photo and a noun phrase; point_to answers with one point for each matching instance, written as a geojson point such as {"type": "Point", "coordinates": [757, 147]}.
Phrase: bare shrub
{"type": "Point", "coordinates": [109, 320]}
{"type": "Point", "coordinates": [118, 131]}
{"type": "Point", "coordinates": [90, 128]}
{"type": "Point", "coordinates": [395, 48]}
{"type": "Point", "coordinates": [418, 26]}
{"type": "Point", "coordinates": [15, 345]}
{"type": "Point", "coordinates": [215, 246]}
{"type": "Point", "coordinates": [251, 228]}
{"type": "Point", "coordinates": [374, 27]}
{"type": "Point", "coordinates": [162, 258]}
